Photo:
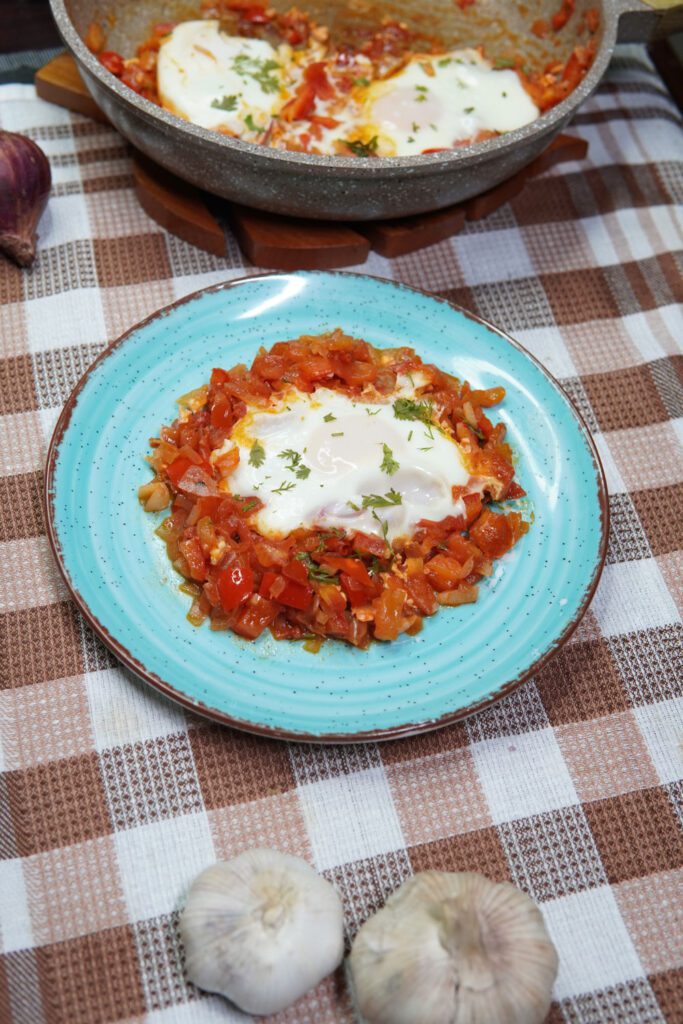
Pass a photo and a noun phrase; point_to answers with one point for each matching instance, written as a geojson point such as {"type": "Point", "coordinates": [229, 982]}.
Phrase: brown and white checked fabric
{"type": "Point", "coordinates": [113, 799]}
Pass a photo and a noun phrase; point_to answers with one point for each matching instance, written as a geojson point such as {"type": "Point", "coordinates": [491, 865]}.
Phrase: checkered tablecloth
{"type": "Point", "coordinates": [113, 799]}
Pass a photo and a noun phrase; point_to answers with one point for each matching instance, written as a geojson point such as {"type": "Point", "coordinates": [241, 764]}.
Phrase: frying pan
{"type": "Point", "coordinates": [349, 188]}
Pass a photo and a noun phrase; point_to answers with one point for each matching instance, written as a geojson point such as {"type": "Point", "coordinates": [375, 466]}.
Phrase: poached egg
{"type": "Point", "coordinates": [240, 85]}
{"type": "Point", "coordinates": [329, 460]}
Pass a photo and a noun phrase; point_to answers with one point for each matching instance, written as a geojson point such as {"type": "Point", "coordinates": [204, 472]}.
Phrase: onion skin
{"type": "Point", "coordinates": [25, 180]}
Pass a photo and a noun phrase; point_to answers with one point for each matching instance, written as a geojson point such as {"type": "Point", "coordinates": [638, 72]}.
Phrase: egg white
{"type": "Point", "coordinates": [201, 71]}
{"type": "Point", "coordinates": [340, 442]}
{"type": "Point", "coordinates": [435, 102]}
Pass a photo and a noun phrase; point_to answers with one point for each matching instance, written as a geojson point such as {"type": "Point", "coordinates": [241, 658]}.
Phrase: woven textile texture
{"type": "Point", "coordinates": [112, 799]}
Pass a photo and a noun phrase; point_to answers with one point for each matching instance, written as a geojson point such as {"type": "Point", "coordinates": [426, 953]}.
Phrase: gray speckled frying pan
{"type": "Point", "coordinates": [348, 188]}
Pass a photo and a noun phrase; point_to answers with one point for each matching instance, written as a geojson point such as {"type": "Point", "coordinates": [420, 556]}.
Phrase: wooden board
{"type": "Point", "coordinates": [288, 243]}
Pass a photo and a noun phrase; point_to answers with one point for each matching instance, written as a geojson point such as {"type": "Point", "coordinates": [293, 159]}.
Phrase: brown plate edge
{"type": "Point", "coordinates": [395, 732]}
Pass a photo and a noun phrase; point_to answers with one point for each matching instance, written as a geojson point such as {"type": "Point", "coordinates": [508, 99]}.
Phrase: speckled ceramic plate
{"type": "Point", "coordinates": [464, 659]}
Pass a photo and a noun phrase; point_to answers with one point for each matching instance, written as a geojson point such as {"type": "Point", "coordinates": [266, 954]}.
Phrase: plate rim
{"type": "Point", "coordinates": [273, 732]}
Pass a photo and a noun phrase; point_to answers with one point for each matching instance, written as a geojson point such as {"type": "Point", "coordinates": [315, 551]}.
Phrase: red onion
{"type": "Point", "coordinates": [25, 181]}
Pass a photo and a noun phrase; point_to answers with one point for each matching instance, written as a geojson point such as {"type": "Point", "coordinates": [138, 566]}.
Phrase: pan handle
{"type": "Point", "coordinates": [641, 21]}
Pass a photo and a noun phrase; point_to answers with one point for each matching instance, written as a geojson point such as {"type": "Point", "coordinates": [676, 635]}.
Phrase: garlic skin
{"type": "Point", "coordinates": [261, 929]}
{"type": "Point", "coordinates": [25, 181]}
{"type": "Point", "coordinates": [453, 948]}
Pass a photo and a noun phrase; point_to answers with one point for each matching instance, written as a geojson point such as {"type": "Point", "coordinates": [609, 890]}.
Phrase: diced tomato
{"type": "Point", "coordinates": [208, 506]}
{"type": "Point", "coordinates": [561, 17]}
{"type": "Point", "coordinates": [443, 571]}
{"type": "Point", "coordinates": [112, 62]}
{"type": "Point", "coordinates": [197, 481]}
{"type": "Point", "coordinates": [353, 567]}
{"type": "Point", "coordinates": [540, 28]}
{"type": "Point", "coordinates": [235, 584]}
{"type": "Point", "coordinates": [473, 507]}
{"type": "Point", "coordinates": [421, 594]}
{"type": "Point", "coordinates": [191, 550]}
{"type": "Point", "coordinates": [257, 614]}
{"type": "Point", "coordinates": [360, 593]}
{"type": "Point", "coordinates": [368, 544]}
{"type": "Point", "coordinates": [287, 591]}
{"type": "Point", "coordinates": [592, 19]}
{"type": "Point", "coordinates": [295, 595]}
{"type": "Point", "coordinates": [177, 469]}
{"type": "Point", "coordinates": [515, 491]}
{"type": "Point", "coordinates": [297, 571]}
{"type": "Point", "coordinates": [492, 534]}
{"type": "Point", "coordinates": [222, 415]}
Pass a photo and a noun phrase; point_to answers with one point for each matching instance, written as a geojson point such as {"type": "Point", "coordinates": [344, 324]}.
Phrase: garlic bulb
{"type": "Point", "coordinates": [454, 949]}
{"type": "Point", "coordinates": [261, 929]}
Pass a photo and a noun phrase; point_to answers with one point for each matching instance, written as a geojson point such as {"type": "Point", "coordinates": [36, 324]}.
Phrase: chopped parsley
{"type": "Point", "coordinates": [410, 435]}
{"type": "Point", "coordinates": [392, 497]}
{"type": "Point", "coordinates": [468, 110]}
{"type": "Point", "coordinates": [284, 486]}
{"type": "Point", "coordinates": [421, 91]}
{"type": "Point", "coordinates": [409, 409]}
{"type": "Point", "coordinates": [372, 413]}
{"type": "Point", "coordinates": [429, 432]}
{"type": "Point", "coordinates": [257, 455]}
{"type": "Point", "coordinates": [410, 139]}
{"type": "Point", "coordinates": [504, 95]}
{"type": "Point", "coordinates": [504, 63]}
{"type": "Point", "coordinates": [227, 103]}
{"type": "Point", "coordinates": [361, 81]}
{"type": "Point", "coordinates": [384, 525]}
{"type": "Point", "coordinates": [250, 123]}
{"type": "Point", "coordinates": [247, 507]}
{"type": "Point", "coordinates": [389, 465]}
{"type": "Point", "coordinates": [329, 417]}
{"type": "Point", "coordinates": [262, 71]}
{"type": "Point", "coordinates": [359, 148]}
{"type": "Point", "coordinates": [340, 433]}
{"type": "Point", "coordinates": [415, 127]}
{"type": "Point", "coordinates": [316, 572]}
{"type": "Point", "coordinates": [444, 62]}
{"type": "Point", "coordinates": [295, 464]}
{"type": "Point", "coordinates": [427, 449]}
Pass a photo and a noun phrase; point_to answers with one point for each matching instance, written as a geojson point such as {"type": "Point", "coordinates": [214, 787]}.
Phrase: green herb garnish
{"type": "Point", "coordinates": [340, 433]}
{"type": "Point", "coordinates": [295, 464]}
{"type": "Point", "coordinates": [329, 417]}
{"type": "Point", "coordinates": [260, 70]}
{"type": "Point", "coordinates": [364, 149]}
{"type": "Point", "coordinates": [361, 81]}
{"type": "Point", "coordinates": [257, 454]}
{"type": "Point", "coordinates": [468, 110]}
{"type": "Point", "coordinates": [389, 465]}
{"type": "Point", "coordinates": [504, 63]}
{"type": "Point", "coordinates": [247, 507]}
{"type": "Point", "coordinates": [227, 103]}
{"type": "Point", "coordinates": [249, 121]}
{"type": "Point", "coordinates": [372, 413]}
{"type": "Point", "coordinates": [284, 486]}
{"type": "Point", "coordinates": [444, 62]}
{"type": "Point", "coordinates": [409, 409]}
{"type": "Point", "coordinates": [316, 572]}
{"type": "Point", "coordinates": [392, 497]}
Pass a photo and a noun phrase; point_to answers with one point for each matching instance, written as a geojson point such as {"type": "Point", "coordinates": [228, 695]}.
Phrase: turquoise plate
{"type": "Point", "coordinates": [464, 659]}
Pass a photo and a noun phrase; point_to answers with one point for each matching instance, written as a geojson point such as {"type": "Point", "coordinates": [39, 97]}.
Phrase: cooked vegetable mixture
{"type": "Point", "coordinates": [333, 490]}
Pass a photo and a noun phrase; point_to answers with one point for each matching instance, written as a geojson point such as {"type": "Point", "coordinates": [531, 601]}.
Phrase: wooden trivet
{"type": "Point", "coordinates": [288, 243]}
